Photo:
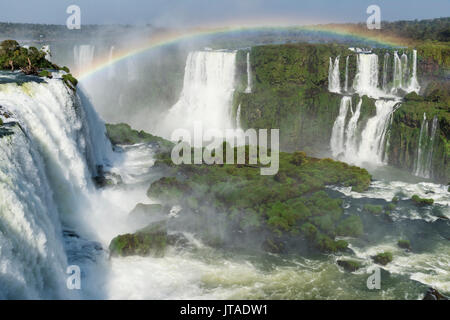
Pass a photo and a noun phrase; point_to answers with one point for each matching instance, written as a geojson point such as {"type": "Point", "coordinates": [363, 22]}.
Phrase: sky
{"type": "Point", "coordinates": [194, 13]}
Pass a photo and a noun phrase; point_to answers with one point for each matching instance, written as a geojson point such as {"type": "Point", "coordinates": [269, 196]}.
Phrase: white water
{"type": "Point", "coordinates": [373, 141]}
{"type": "Point", "coordinates": [346, 74]}
{"type": "Point", "coordinates": [249, 75]}
{"type": "Point", "coordinates": [206, 98]}
{"type": "Point", "coordinates": [337, 137]}
{"type": "Point", "coordinates": [414, 83]}
{"type": "Point", "coordinates": [367, 145]}
{"type": "Point", "coordinates": [112, 67]}
{"type": "Point", "coordinates": [385, 72]}
{"type": "Point", "coordinates": [334, 82]}
{"type": "Point", "coordinates": [423, 162]}
{"type": "Point", "coordinates": [83, 56]}
{"type": "Point", "coordinates": [366, 79]}
{"type": "Point", "coordinates": [45, 183]}
{"type": "Point", "coordinates": [238, 117]}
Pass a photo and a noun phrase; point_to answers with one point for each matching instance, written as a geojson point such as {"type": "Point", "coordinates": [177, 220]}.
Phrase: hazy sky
{"type": "Point", "coordinates": [206, 12]}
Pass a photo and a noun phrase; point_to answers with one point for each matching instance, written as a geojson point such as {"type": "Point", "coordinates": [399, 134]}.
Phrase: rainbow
{"type": "Point", "coordinates": [170, 37]}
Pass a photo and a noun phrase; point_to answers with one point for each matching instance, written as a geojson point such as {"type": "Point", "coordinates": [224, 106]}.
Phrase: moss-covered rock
{"type": "Point", "coordinates": [151, 240]}
{"type": "Point", "coordinates": [349, 265]}
{"type": "Point", "coordinates": [404, 244]}
{"type": "Point", "coordinates": [122, 133]}
{"type": "Point", "coordinates": [293, 204]}
{"type": "Point", "coordinates": [418, 201]}
{"type": "Point", "coordinates": [383, 258]}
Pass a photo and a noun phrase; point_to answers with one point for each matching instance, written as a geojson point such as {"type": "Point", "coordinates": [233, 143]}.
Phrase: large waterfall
{"type": "Point", "coordinates": [249, 75]}
{"type": "Point", "coordinates": [366, 79]}
{"type": "Point", "coordinates": [83, 56]}
{"type": "Point", "coordinates": [334, 82]}
{"type": "Point", "coordinates": [351, 142]}
{"type": "Point", "coordinates": [423, 163]}
{"type": "Point", "coordinates": [206, 98]}
{"type": "Point", "coordinates": [50, 147]}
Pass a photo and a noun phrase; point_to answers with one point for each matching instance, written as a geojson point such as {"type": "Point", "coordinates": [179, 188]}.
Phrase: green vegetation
{"type": "Point", "coordinates": [122, 133]}
{"type": "Point", "coordinates": [373, 209]}
{"type": "Point", "coordinates": [289, 205]}
{"type": "Point", "coordinates": [383, 258]}
{"type": "Point", "coordinates": [14, 57]}
{"type": "Point", "coordinates": [404, 244]}
{"type": "Point", "coordinates": [70, 80]}
{"type": "Point", "coordinates": [151, 240]}
{"type": "Point", "coordinates": [349, 265]}
{"type": "Point", "coordinates": [45, 74]}
{"type": "Point", "coordinates": [418, 201]}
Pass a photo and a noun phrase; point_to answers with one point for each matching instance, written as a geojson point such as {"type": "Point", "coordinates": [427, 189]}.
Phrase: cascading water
{"type": "Point", "coordinates": [346, 74]}
{"type": "Point", "coordinates": [372, 146]}
{"type": "Point", "coordinates": [83, 56]}
{"type": "Point", "coordinates": [414, 84]}
{"type": "Point", "coordinates": [385, 72]}
{"type": "Point", "coordinates": [351, 139]}
{"type": "Point", "coordinates": [334, 82]}
{"type": "Point", "coordinates": [238, 117]}
{"type": "Point", "coordinates": [111, 68]}
{"type": "Point", "coordinates": [207, 93]}
{"type": "Point", "coordinates": [368, 144]}
{"type": "Point", "coordinates": [366, 79]}
{"type": "Point", "coordinates": [405, 70]}
{"type": "Point", "coordinates": [46, 167]}
{"type": "Point", "coordinates": [398, 74]}
{"type": "Point", "coordinates": [337, 142]}
{"type": "Point", "coordinates": [249, 75]}
{"type": "Point", "coordinates": [423, 162]}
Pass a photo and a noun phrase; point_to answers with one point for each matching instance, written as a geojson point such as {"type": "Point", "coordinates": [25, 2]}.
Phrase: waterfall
{"type": "Point", "coordinates": [46, 167]}
{"type": "Point", "coordinates": [351, 140]}
{"type": "Point", "coordinates": [414, 84]}
{"type": "Point", "coordinates": [334, 83]}
{"type": "Point", "coordinates": [249, 75]}
{"type": "Point", "coordinates": [372, 146]}
{"type": "Point", "coordinates": [423, 162]}
{"type": "Point", "coordinates": [385, 71]}
{"type": "Point", "coordinates": [132, 69]}
{"type": "Point", "coordinates": [238, 117]}
{"type": "Point", "coordinates": [398, 74]}
{"type": "Point", "coordinates": [207, 93]}
{"type": "Point", "coordinates": [366, 79]}
{"type": "Point", "coordinates": [83, 56]}
{"type": "Point", "coordinates": [111, 68]}
{"type": "Point", "coordinates": [418, 168]}
{"type": "Point", "coordinates": [346, 74]}
{"type": "Point", "coordinates": [405, 70]}
{"type": "Point", "coordinates": [337, 142]}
